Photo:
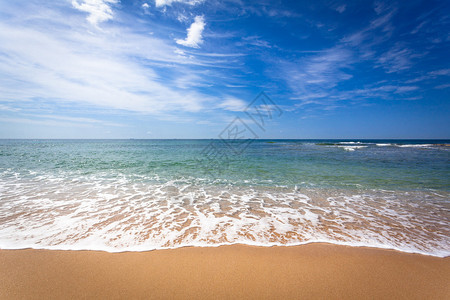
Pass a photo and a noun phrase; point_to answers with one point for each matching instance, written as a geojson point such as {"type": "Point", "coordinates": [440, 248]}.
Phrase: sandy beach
{"type": "Point", "coordinates": [308, 271]}
{"type": "Point", "coordinates": [251, 149]}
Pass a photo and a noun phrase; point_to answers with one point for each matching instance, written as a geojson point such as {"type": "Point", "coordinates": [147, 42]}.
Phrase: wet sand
{"type": "Point", "coordinates": [227, 272]}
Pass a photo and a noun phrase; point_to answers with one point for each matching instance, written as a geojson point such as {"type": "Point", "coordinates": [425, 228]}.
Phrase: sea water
{"type": "Point", "coordinates": [137, 195]}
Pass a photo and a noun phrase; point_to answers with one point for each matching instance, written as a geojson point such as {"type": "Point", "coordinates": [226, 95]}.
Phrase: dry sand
{"type": "Point", "coordinates": [227, 272]}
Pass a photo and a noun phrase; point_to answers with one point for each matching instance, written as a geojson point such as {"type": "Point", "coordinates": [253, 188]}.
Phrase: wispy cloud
{"type": "Point", "coordinates": [162, 3]}
{"type": "Point", "coordinates": [319, 72]}
{"type": "Point", "coordinates": [405, 89]}
{"type": "Point", "coordinates": [321, 79]}
{"type": "Point", "coordinates": [194, 34]}
{"type": "Point", "coordinates": [443, 86]}
{"type": "Point", "coordinates": [378, 31]}
{"type": "Point", "coordinates": [442, 72]}
{"type": "Point", "coordinates": [430, 75]}
{"type": "Point", "coordinates": [146, 8]}
{"type": "Point", "coordinates": [264, 8]}
{"type": "Point", "coordinates": [255, 41]}
{"type": "Point", "coordinates": [78, 68]}
{"type": "Point", "coordinates": [418, 27]}
{"type": "Point", "coordinates": [82, 120]}
{"type": "Point", "coordinates": [341, 8]}
{"type": "Point", "coordinates": [8, 108]}
{"type": "Point", "coordinates": [54, 69]}
{"type": "Point", "coordinates": [44, 122]}
{"type": "Point", "coordinates": [396, 59]}
{"type": "Point", "coordinates": [233, 104]}
{"type": "Point", "coordinates": [200, 61]}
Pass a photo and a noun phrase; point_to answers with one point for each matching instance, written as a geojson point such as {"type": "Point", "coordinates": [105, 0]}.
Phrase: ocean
{"type": "Point", "coordinates": [138, 195]}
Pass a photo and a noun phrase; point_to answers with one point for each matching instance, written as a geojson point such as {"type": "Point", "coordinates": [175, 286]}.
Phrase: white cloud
{"type": "Point", "coordinates": [79, 120]}
{"type": "Point", "coordinates": [65, 65]}
{"type": "Point", "coordinates": [146, 8]}
{"type": "Point", "coordinates": [443, 86]}
{"type": "Point", "coordinates": [179, 52]}
{"type": "Point", "coordinates": [233, 104]}
{"type": "Point", "coordinates": [396, 59]}
{"type": "Point", "coordinates": [405, 89]}
{"type": "Point", "coordinates": [43, 68]}
{"type": "Point", "coordinates": [443, 72]}
{"type": "Point", "coordinates": [98, 10]}
{"type": "Point", "coordinates": [256, 41]}
{"type": "Point", "coordinates": [378, 31]}
{"type": "Point", "coordinates": [161, 3]}
{"type": "Point", "coordinates": [194, 34]}
{"type": "Point", "coordinates": [87, 71]}
{"type": "Point", "coordinates": [419, 27]}
{"type": "Point", "coordinates": [182, 18]}
{"type": "Point", "coordinates": [322, 71]}
{"type": "Point", "coordinates": [8, 108]}
{"type": "Point", "coordinates": [430, 75]}
{"type": "Point", "coordinates": [45, 122]}
{"type": "Point", "coordinates": [46, 66]}
{"type": "Point", "coordinates": [379, 7]}
{"type": "Point", "coordinates": [340, 9]}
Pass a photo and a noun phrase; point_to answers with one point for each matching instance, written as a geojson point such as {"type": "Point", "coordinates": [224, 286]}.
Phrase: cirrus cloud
{"type": "Point", "coordinates": [162, 3]}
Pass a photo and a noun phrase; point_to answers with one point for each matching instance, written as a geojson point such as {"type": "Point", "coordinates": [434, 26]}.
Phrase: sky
{"type": "Point", "coordinates": [190, 68]}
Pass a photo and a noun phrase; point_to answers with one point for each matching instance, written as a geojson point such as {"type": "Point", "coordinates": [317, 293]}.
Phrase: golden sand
{"type": "Point", "coordinates": [228, 272]}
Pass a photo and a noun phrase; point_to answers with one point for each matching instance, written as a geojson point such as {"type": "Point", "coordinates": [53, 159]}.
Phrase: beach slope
{"type": "Point", "coordinates": [226, 272]}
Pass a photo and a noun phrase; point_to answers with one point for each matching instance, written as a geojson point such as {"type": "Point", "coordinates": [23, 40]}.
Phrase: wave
{"type": "Point", "coordinates": [120, 214]}
{"type": "Point", "coordinates": [351, 143]}
{"type": "Point", "coordinates": [351, 148]}
{"type": "Point", "coordinates": [91, 247]}
{"type": "Point", "coordinates": [416, 145]}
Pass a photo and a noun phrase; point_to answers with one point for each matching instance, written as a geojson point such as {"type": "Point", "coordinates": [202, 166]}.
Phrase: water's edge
{"type": "Point", "coordinates": [330, 243]}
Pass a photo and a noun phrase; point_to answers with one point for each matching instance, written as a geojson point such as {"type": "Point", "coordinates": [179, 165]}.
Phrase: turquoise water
{"type": "Point", "coordinates": [118, 195]}
{"type": "Point", "coordinates": [417, 165]}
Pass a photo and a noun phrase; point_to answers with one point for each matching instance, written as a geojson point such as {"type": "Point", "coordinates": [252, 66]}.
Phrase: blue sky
{"type": "Point", "coordinates": [187, 68]}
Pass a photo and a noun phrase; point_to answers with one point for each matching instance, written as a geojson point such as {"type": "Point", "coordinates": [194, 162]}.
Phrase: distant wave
{"type": "Point", "coordinates": [352, 148]}
{"type": "Point", "coordinates": [350, 143]}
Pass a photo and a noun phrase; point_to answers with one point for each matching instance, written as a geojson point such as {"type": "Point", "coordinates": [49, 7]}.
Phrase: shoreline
{"type": "Point", "coordinates": [313, 270]}
{"type": "Point", "coordinates": [244, 244]}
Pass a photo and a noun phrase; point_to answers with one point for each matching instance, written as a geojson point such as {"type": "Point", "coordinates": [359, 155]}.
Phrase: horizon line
{"type": "Point", "coordinates": [280, 139]}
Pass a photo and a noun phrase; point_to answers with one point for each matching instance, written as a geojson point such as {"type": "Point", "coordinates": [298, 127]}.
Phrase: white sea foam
{"type": "Point", "coordinates": [415, 146]}
{"type": "Point", "coordinates": [123, 214]}
{"type": "Point", "coordinates": [351, 148]}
